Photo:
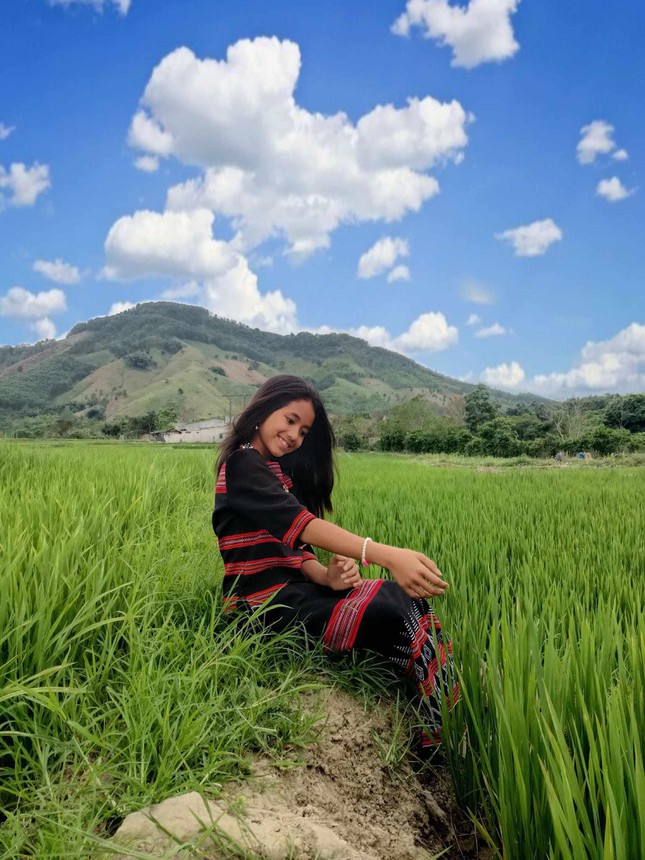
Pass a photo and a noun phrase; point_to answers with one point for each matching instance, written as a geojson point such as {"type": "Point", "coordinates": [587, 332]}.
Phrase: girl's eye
{"type": "Point", "coordinates": [290, 420]}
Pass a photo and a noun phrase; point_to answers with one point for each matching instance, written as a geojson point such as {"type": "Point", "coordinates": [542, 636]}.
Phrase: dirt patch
{"type": "Point", "coordinates": [345, 802]}
{"type": "Point", "coordinates": [238, 371]}
{"type": "Point", "coordinates": [380, 811]}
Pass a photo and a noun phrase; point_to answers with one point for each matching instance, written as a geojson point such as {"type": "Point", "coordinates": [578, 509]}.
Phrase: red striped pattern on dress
{"type": "Point", "coordinates": [232, 601]}
{"type": "Point", "coordinates": [244, 539]}
{"type": "Point", "coordinates": [301, 520]}
{"type": "Point", "coordinates": [429, 619]}
{"type": "Point", "coordinates": [434, 738]}
{"type": "Point", "coordinates": [260, 597]}
{"type": "Point", "coordinates": [248, 568]}
{"type": "Point", "coordinates": [430, 739]}
{"type": "Point", "coordinates": [346, 618]}
{"type": "Point", "coordinates": [220, 486]}
{"type": "Point", "coordinates": [285, 480]}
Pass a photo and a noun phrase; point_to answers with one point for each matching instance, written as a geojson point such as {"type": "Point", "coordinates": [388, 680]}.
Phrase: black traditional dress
{"type": "Point", "coordinates": [258, 521]}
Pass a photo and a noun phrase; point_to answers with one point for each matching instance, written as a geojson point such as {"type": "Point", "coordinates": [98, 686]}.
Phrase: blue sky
{"type": "Point", "coordinates": [462, 183]}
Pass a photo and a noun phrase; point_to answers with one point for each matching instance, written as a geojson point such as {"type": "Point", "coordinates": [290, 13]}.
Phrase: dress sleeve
{"type": "Point", "coordinates": [308, 554]}
{"type": "Point", "coordinates": [255, 492]}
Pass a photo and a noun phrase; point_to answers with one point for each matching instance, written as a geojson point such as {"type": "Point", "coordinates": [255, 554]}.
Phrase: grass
{"type": "Point", "coordinates": [121, 683]}
{"type": "Point", "coordinates": [117, 664]}
{"type": "Point", "coordinates": [546, 613]}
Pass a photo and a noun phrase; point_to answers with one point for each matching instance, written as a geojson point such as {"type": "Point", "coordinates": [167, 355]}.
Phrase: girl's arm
{"type": "Point", "coordinates": [417, 574]}
{"type": "Point", "coordinates": [340, 574]}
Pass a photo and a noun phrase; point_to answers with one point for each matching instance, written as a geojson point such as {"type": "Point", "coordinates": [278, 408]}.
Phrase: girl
{"type": "Point", "coordinates": [274, 484]}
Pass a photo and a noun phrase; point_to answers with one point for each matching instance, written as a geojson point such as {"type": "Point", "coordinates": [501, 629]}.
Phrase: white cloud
{"type": "Point", "coordinates": [473, 319]}
{"type": "Point", "coordinates": [58, 271]}
{"type": "Point", "coordinates": [479, 33]}
{"type": "Point", "coordinates": [22, 304]}
{"type": "Point", "coordinates": [147, 163]}
{"type": "Point", "coordinates": [614, 365]}
{"type": "Point", "coordinates": [36, 308]}
{"type": "Point", "coordinates": [382, 256]}
{"type": "Point", "coordinates": [273, 170]}
{"type": "Point", "coordinates": [504, 375]}
{"type": "Point", "coordinates": [260, 261]}
{"type": "Point", "coordinates": [532, 240]}
{"type": "Point", "coordinates": [276, 169]}
{"type": "Point", "coordinates": [172, 244]}
{"type": "Point", "coordinates": [398, 273]}
{"type": "Point", "coordinates": [6, 130]}
{"type": "Point", "coordinates": [426, 133]}
{"type": "Point", "coordinates": [620, 155]}
{"type": "Point", "coordinates": [44, 328]}
{"type": "Point", "coordinates": [24, 183]}
{"type": "Point", "coordinates": [145, 133]}
{"type": "Point", "coordinates": [597, 139]}
{"type": "Point", "coordinates": [235, 294]}
{"type": "Point", "coordinates": [180, 245]}
{"type": "Point", "coordinates": [613, 189]}
{"type": "Point", "coordinates": [119, 307]}
{"type": "Point", "coordinates": [183, 291]}
{"type": "Point", "coordinates": [123, 6]}
{"type": "Point", "coordinates": [430, 332]}
{"type": "Point", "coordinates": [491, 331]}
{"type": "Point", "coordinates": [376, 335]}
{"type": "Point", "coordinates": [475, 292]}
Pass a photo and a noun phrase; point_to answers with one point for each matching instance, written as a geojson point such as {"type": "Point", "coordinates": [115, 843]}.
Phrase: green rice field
{"type": "Point", "coordinates": [121, 684]}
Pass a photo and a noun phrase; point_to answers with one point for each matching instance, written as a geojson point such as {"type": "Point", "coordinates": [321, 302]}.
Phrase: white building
{"type": "Point", "coordinates": [212, 430]}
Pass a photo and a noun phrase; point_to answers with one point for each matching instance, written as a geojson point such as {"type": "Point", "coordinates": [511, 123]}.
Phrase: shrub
{"type": "Point", "coordinates": [475, 447]}
{"type": "Point", "coordinates": [544, 446]}
{"type": "Point", "coordinates": [392, 440]}
{"type": "Point", "coordinates": [636, 442]}
{"type": "Point", "coordinates": [606, 441]}
{"type": "Point", "coordinates": [140, 361]}
{"type": "Point", "coordinates": [499, 438]}
{"type": "Point", "coordinates": [351, 441]}
{"type": "Point", "coordinates": [112, 429]}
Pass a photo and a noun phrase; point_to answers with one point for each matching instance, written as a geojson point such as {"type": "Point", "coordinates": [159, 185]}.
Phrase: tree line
{"type": "Point", "coordinates": [481, 427]}
{"type": "Point", "coordinates": [476, 425]}
{"type": "Point", "coordinates": [91, 425]}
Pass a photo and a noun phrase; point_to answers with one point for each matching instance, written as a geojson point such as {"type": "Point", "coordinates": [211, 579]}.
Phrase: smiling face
{"type": "Point", "coordinates": [285, 429]}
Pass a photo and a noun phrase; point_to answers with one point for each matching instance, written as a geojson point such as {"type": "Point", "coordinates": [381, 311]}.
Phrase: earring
{"type": "Point", "coordinates": [257, 426]}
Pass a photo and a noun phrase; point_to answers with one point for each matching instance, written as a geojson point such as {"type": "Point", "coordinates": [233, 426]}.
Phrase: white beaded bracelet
{"type": "Point", "coordinates": [364, 561]}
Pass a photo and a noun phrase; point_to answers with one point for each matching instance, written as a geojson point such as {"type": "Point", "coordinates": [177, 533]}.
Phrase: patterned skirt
{"type": "Point", "coordinates": [377, 616]}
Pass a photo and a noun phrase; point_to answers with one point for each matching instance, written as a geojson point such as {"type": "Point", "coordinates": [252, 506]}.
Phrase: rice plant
{"type": "Point", "coordinates": [121, 683]}
{"type": "Point", "coordinates": [546, 613]}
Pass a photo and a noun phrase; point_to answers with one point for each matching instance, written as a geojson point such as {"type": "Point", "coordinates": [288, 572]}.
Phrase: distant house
{"type": "Point", "coordinates": [211, 430]}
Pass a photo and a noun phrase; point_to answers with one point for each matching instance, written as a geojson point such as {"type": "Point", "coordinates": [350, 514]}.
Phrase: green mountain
{"type": "Point", "coordinates": [163, 355]}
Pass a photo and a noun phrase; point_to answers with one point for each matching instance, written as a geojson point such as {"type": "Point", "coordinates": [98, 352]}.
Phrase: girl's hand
{"type": "Point", "coordinates": [342, 572]}
{"type": "Point", "coordinates": [417, 574]}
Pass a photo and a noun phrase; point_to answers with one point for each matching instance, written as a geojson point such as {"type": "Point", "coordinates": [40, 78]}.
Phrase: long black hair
{"type": "Point", "coordinates": [311, 466]}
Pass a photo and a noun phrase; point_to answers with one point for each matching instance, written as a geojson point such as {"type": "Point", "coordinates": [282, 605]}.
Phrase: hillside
{"type": "Point", "coordinates": [163, 355]}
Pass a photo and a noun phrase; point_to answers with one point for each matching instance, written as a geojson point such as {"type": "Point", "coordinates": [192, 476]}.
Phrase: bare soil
{"type": "Point", "coordinates": [346, 802]}
{"type": "Point", "coordinates": [389, 812]}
